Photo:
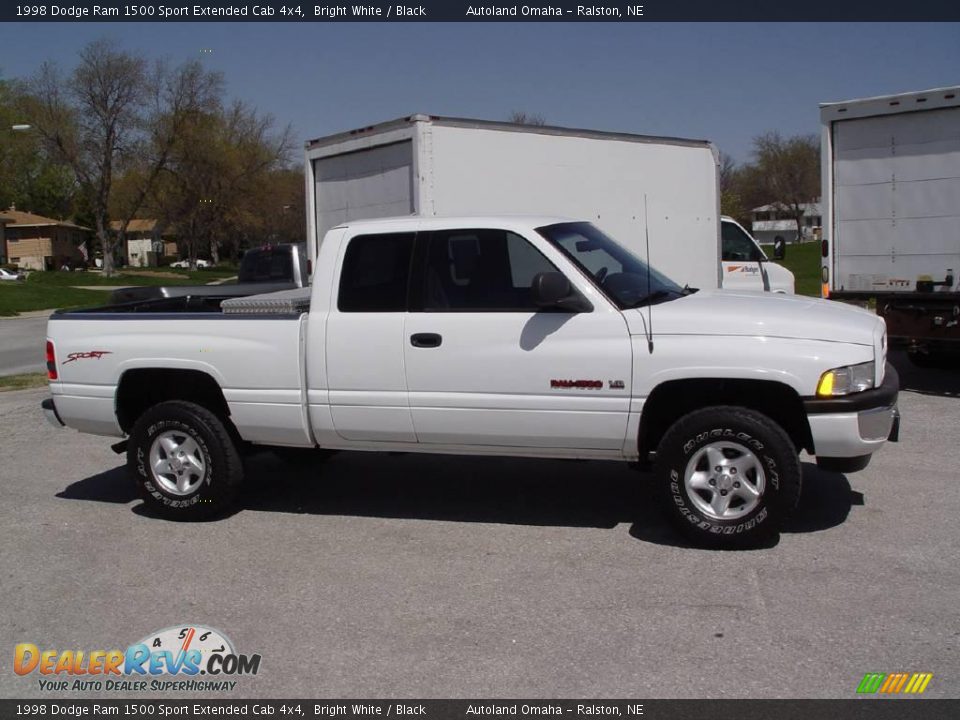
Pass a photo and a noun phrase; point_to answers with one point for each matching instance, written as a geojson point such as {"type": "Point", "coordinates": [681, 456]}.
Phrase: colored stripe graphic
{"type": "Point", "coordinates": [871, 682]}
{"type": "Point", "coordinates": [894, 683]}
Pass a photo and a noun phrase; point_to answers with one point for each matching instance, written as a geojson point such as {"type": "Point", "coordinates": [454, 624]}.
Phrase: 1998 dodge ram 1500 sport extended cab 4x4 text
{"type": "Point", "coordinates": [488, 335]}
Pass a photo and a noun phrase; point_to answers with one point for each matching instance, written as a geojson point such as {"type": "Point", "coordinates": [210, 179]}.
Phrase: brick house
{"type": "Point", "coordinates": [35, 242]}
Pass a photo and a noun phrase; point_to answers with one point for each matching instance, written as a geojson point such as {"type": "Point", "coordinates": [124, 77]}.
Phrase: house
{"type": "Point", "coordinates": [771, 221]}
{"type": "Point", "coordinates": [3, 241]}
{"type": "Point", "coordinates": [146, 242]}
{"type": "Point", "coordinates": [35, 242]}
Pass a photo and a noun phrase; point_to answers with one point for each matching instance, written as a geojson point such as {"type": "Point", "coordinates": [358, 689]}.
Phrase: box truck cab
{"type": "Point", "coordinates": [745, 266]}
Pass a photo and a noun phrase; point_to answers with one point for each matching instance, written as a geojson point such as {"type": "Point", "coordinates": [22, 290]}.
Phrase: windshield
{"type": "Point", "coordinates": [619, 274]}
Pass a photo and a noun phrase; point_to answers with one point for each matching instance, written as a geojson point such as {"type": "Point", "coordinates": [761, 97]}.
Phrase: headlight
{"type": "Point", "coordinates": [846, 380]}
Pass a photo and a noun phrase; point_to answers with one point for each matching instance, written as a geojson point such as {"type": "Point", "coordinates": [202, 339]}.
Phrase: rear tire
{"type": "Point", "coordinates": [727, 476]}
{"type": "Point", "coordinates": [184, 461]}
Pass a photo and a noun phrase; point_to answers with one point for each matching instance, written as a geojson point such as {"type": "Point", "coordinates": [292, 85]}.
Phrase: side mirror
{"type": "Point", "coordinates": [553, 290]}
{"type": "Point", "coordinates": [779, 248]}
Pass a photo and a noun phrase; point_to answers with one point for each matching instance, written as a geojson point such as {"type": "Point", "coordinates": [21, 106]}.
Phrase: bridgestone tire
{"type": "Point", "coordinates": [746, 439]}
{"type": "Point", "coordinates": [214, 461]}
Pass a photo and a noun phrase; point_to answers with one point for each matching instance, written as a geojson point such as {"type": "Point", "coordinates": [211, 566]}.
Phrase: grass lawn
{"type": "Point", "coordinates": [126, 278]}
{"type": "Point", "coordinates": [803, 261]}
{"type": "Point", "coordinates": [18, 297]}
{"type": "Point", "coordinates": [50, 290]}
{"type": "Point", "coordinates": [23, 382]}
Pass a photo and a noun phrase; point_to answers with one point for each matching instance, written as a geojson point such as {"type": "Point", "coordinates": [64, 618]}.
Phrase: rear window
{"type": "Point", "coordinates": [376, 272]}
{"type": "Point", "coordinates": [266, 265]}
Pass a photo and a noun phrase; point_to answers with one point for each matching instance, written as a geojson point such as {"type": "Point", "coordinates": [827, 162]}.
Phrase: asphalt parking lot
{"type": "Point", "coordinates": [418, 576]}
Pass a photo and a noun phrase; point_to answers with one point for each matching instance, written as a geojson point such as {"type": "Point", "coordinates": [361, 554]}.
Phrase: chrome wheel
{"type": "Point", "coordinates": [177, 463]}
{"type": "Point", "coordinates": [724, 480]}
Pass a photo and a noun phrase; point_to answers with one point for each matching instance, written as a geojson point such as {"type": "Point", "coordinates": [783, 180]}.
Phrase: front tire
{"type": "Point", "coordinates": [184, 461]}
{"type": "Point", "coordinates": [728, 476]}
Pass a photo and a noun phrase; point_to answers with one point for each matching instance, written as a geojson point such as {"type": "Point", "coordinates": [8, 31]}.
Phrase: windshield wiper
{"type": "Point", "coordinates": [650, 297]}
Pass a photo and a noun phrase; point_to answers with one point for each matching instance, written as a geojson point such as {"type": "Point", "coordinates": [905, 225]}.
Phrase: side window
{"type": "Point", "coordinates": [376, 269]}
{"type": "Point", "coordinates": [736, 245]}
{"type": "Point", "coordinates": [477, 270]}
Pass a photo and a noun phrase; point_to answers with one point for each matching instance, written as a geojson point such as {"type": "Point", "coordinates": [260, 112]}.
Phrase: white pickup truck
{"type": "Point", "coordinates": [522, 336]}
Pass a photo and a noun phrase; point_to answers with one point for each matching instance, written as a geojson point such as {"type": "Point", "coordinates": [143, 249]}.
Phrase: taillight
{"type": "Point", "coordinates": [824, 248]}
{"type": "Point", "coordinates": [309, 268]}
{"type": "Point", "coordinates": [51, 362]}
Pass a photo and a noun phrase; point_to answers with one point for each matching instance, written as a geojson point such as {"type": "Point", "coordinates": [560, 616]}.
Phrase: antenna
{"type": "Point", "coordinates": [646, 229]}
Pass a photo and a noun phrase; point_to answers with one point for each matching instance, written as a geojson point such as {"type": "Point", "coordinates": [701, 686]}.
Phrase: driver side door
{"type": "Point", "coordinates": [486, 367]}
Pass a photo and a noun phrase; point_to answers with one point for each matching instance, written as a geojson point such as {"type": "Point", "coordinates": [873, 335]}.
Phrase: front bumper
{"type": "Point", "coordinates": [51, 414]}
{"type": "Point", "coordinates": [854, 426]}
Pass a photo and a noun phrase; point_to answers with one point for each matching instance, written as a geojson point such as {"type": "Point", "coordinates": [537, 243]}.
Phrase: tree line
{"type": "Point", "coordinates": [118, 137]}
{"type": "Point", "coordinates": [783, 172]}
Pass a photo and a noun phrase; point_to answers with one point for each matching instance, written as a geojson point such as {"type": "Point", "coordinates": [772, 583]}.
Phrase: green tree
{"type": "Point", "coordinates": [29, 177]}
{"type": "Point", "coordinates": [219, 189]}
{"type": "Point", "coordinates": [786, 172]}
{"type": "Point", "coordinates": [115, 111]}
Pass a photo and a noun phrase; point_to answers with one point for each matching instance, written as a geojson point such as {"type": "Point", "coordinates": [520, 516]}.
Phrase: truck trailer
{"type": "Point", "coordinates": [659, 195]}
{"type": "Point", "coordinates": [891, 193]}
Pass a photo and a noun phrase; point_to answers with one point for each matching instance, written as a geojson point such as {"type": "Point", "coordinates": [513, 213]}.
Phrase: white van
{"type": "Point", "coordinates": [745, 266]}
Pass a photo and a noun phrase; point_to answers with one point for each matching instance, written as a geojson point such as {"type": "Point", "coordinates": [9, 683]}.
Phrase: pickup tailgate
{"type": "Point", "coordinates": [256, 361]}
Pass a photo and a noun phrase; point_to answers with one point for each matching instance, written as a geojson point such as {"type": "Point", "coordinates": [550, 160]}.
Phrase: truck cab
{"type": "Point", "coordinates": [744, 264]}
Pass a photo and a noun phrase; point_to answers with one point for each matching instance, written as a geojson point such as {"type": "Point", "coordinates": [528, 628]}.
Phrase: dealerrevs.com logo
{"type": "Point", "coordinates": [181, 658]}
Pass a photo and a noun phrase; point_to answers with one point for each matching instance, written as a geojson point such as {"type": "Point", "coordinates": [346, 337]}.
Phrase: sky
{"type": "Point", "coordinates": [722, 82]}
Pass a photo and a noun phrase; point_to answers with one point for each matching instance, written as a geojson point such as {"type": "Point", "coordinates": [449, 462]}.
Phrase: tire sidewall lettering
{"type": "Point", "coordinates": [142, 452]}
{"type": "Point", "coordinates": [682, 503]}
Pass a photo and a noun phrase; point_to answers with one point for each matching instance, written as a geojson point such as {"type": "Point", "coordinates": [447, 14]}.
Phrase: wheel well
{"type": "Point", "coordinates": [672, 400]}
{"type": "Point", "coordinates": [142, 389]}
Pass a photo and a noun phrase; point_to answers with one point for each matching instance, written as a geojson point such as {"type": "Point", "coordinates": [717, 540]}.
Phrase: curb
{"type": "Point", "coordinates": [29, 314]}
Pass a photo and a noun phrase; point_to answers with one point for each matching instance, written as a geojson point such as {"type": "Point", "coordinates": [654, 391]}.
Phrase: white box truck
{"type": "Point", "coordinates": [891, 192]}
{"type": "Point", "coordinates": [439, 166]}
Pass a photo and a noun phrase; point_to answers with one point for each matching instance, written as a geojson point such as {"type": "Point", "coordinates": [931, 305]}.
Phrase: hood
{"type": "Point", "coordinates": [758, 314]}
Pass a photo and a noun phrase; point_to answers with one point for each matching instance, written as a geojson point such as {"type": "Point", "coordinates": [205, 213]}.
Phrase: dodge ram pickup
{"type": "Point", "coordinates": [518, 336]}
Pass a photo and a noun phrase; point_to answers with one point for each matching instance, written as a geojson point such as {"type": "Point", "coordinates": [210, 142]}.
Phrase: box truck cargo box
{"type": "Point", "coordinates": [434, 166]}
{"type": "Point", "coordinates": [891, 191]}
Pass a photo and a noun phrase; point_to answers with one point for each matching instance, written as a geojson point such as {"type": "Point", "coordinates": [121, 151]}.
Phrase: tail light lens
{"type": "Point", "coordinates": [824, 248]}
{"type": "Point", "coordinates": [51, 362]}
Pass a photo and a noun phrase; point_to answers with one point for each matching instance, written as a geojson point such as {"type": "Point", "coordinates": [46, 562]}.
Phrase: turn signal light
{"type": "Point", "coordinates": [51, 362]}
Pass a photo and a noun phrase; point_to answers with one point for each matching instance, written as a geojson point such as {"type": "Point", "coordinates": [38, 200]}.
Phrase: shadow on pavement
{"type": "Point", "coordinates": [510, 491]}
{"type": "Point", "coordinates": [825, 501]}
{"type": "Point", "coordinates": [943, 381]}
{"type": "Point", "coordinates": [514, 491]}
{"type": "Point", "coordinates": [112, 486]}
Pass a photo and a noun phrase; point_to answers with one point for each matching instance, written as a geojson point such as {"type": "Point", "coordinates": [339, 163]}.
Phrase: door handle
{"type": "Point", "coordinates": [426, 340]}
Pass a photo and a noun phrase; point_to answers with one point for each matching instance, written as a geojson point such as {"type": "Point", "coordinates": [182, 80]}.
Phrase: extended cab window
{"type": "Point", "coordinates": [376, 269]}
{"type": "Point", "coordinates": [478, 270]}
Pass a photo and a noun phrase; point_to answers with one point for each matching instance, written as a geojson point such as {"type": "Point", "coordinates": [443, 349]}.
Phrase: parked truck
{"type": "Point", "coordinates": [517, 336]}
{"type": "Point", "coordinates": [264, 269]}
{"type": "Point", "coordinates": [891, 194]}
{"type": "Point", "coordinates": [435, 166]}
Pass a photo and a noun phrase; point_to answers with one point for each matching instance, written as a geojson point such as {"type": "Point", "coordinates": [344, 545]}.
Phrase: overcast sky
{"type": "Point", "coordinates": [722, 82]}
